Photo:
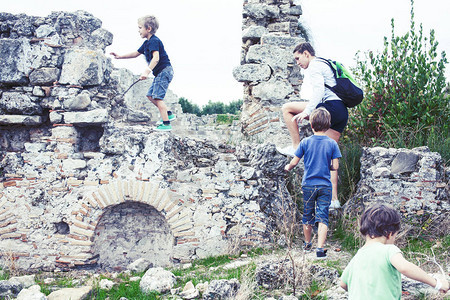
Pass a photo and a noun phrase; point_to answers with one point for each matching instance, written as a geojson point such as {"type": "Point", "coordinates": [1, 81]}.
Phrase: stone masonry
{"type": "Point", "coordinates": [85, 182]}
{"type": "Point", "coordinates": [268, 71]}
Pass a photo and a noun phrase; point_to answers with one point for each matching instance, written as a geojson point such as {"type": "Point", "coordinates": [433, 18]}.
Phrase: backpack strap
{"type": "Point", "coordinates": [333, 70]}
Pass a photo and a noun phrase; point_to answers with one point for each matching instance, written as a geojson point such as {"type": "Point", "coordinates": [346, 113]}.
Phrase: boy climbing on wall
{"type": "Point", "coordinates": [375, 271]}
{"type": "Point", "coordinates": [321, 155]}
{"type": "Point", "coordinates": [158, 63]}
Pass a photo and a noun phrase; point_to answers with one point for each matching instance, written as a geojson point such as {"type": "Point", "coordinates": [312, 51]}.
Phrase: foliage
{"type": "Point", "coordinates": [404, 92]}
{"type": "Point", "coordinates": [226, 119]}
{"type": "Point", "coordinates": [189, 107]}
{"type": "Point", "coordinates": [210, 108]}
{"type": "Point", "coordinates": [349, 169]}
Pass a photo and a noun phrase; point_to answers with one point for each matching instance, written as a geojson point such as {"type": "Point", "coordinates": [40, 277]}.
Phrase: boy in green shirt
{"type": "Point", "coordinates": [374, 272]}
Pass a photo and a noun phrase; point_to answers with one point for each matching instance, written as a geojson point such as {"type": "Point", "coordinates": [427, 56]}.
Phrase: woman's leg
{"type": "Point", "coordinates": [289, 110]}
{"type": "Point", "coordinates": [335, 135]}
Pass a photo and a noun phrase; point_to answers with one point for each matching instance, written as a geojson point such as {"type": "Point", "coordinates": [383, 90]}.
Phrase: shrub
{"type": "Point", "coordinates": [404, 92]}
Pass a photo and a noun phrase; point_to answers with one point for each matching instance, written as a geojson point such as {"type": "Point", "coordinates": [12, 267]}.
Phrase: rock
{"type": "Point", "coordinates": [253, 32]}
{"type": "Point", "coordinates": [404, 162]}
{"type": "Point", "coordinates": [80, 102]}
{"type": "Point", "coordinates": [139, 265]}
{"type": "Point", "coordinates": [290, 297]}
{"type": "Point", "coordinates": [202, 287]}
{"type": "Point", "coordinates": [21, 120]}
{"type": "Point", "coordinates": [284, 42]}
{"type": "Point", "coordinates": [79, 293]}
{"type": "Point", "coordinates": [106, 284]}
{"type": "Point", "coordinates": [84, 67]}
{"type": "Point", "coordinates": [9, 288]}
{"type": "Point", "coordinates": [14, 103]}
{"type": "Point", "coordinates": [222, 289]}
{"type": "Point", "coordinates": [157, 279]}
{"type": "Point", "coordinates": [189, 291]}
{"type": "Point", "coordinates": [14, 64]}
{"type": "Point", "coordinates": [24, 281]}
{"type": "Point", "coordinates": [260, 11]}
{"type": "Point", "coordinates": [276, 57]}
{"type": "Point", "coordinates": [96, 116]}
{"type": "Point", "coordinates": [273, 274]}
{"type": "Point", "coordinates": [252, 72]}
{"type": "Point", "coordinates": [44, 76]}
{"type": "Point", "coordinates": [334, 293]}
{"type": "Point", "coordinates": [32, 293]}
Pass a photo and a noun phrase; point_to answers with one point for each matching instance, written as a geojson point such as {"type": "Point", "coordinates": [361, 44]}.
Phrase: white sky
{"type": "Point", "coordinates": [203, 37]}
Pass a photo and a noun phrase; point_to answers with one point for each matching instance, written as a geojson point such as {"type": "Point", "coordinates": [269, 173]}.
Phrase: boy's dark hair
{"type": "Point", "coordinates": [320, 119]}
{"type": "Point", "coordinates": [300, 48]}
{"type": "Point", "coordinates": [380, 220]}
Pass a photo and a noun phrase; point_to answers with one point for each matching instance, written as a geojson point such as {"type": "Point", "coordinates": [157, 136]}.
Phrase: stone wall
{"type": "Point", "coordinates": [268, 71]}
{"type": "Point", "coordinates": [84, 179]}
{"type": "Point", "coordinates": [413, 181]}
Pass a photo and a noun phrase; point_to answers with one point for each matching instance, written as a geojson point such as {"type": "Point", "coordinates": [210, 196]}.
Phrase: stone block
{"type": "Point", "coordinates": [79, 102]}
{"type": "Point", "coordinates": [261, 11]}
{"type": "Point", "coordinates": [276, 57]}
{"type": "Point", "coordinates": [19, 104]}
{"type": "Point", "coordinates": [44, 76]}
{"type": "Point", "coordinates": [254, 32]}
{"type": "Point", "coordinates": [286, 42]}
{"type": "Point", "coordinates": [20, 120]}
{"type": "Point", "coordinates": [84, 67]}
{"type": "Point", "coordinates": [96, 116]}
{"type": "Point", "coordinates": [252, 73]}
{"type": "Point", "coordinates": [274, 90]}
{"type": "Point", "coordinates": [14, 65]}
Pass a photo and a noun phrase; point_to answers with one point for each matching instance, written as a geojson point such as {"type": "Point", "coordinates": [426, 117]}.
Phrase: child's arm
{"type": "Point", "coordinates": [412, 271]}
{"type": "Point", "coordinates": [129, 55]}
{"type": "Point", "coordinates": [334, 164]}
{"type": "Point", "coordinates": [151, 66]}
{"type": "Point", "coordinates": [292, 164]}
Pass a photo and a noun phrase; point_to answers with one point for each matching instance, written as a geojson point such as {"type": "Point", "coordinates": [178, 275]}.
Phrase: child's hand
{"type": "Point", "coordinates": [145, 74]}
{"type": "Point", "coordinates": [445, 286]}
{"type": "Point", "coordinates": [116, 56]}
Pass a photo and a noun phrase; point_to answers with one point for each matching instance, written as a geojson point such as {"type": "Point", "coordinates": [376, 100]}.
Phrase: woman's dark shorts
{"type": "Point", "coordinates": [338, 112]}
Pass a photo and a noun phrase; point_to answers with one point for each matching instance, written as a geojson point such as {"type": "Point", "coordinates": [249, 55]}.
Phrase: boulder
{"type": "Point", "coordinates": [79, 293]}
{"type": "Point", "coordinates": [157, 279]}
{"type": "Point", "coordinates": [222, 289]}
{"type": "Point", "coordinates": [32, 293]}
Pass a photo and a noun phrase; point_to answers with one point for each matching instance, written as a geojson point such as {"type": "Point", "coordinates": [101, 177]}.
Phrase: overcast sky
{"type": "Point", "coordinates": [203, 37]}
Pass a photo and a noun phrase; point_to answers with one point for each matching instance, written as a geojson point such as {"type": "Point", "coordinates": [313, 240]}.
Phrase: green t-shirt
{"type": "Point", "coordinates": [370, 274]}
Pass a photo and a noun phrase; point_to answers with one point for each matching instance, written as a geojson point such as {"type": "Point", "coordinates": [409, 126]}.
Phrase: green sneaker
{"type": "Point", "coordinates": [171, 118]}
{"type": "Point", "coordinates": [163, 127]}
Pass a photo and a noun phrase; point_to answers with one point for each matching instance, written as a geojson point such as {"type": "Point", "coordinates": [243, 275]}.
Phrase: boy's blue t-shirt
{"type": "Point", "coordinates": [318, 151]}
{"type": "Point", "coordinates": [155, 44]}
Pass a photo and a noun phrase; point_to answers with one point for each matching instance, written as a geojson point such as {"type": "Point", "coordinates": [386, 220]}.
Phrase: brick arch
{"type": "Point", "coordinates": [84, 221]}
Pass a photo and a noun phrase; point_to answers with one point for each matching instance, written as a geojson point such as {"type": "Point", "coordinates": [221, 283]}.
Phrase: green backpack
{"type": "Point", "coordinates": [346, 87]}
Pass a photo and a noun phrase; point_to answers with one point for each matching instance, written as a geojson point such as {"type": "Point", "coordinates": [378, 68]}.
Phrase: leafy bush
{"type": "Point", "coordinates": [404, 92]}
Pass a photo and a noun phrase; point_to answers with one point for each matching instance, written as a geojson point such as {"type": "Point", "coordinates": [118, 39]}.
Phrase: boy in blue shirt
{"type": "Point", "coordinates": [321, 155]}
{"type": "Point", "coordinates": [375, 271]}
{"type": "Point", "coordinates": [158, 63]}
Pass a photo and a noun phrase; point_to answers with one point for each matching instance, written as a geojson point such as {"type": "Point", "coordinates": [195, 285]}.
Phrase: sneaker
{"type": "Point", "coordinates": [163, 127]}
{"type": "Point", "coordinates": [288, 151]}
{"type": "Point", "coordinates": [335, 204]}
{"type": "Point", "coordinates": [171, 118]}
{"type": "Point", "coordinates": [321, 253]}
{"type": "Point", "coordinates": [307, 246]}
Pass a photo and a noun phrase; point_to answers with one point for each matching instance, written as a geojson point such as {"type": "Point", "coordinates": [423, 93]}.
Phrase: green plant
{"type": "Point", "coordinates": [226, 119]}
{"type": "Point", "coordinates": [349, 169]}
{"type": "Point", "coordinates": [404, 91]}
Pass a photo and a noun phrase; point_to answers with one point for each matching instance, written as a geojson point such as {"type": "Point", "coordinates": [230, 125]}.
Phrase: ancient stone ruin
{"type": "Point", "coordinates": [85, 182]}
{"type": "Point", "coordinates": [271, 30]}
